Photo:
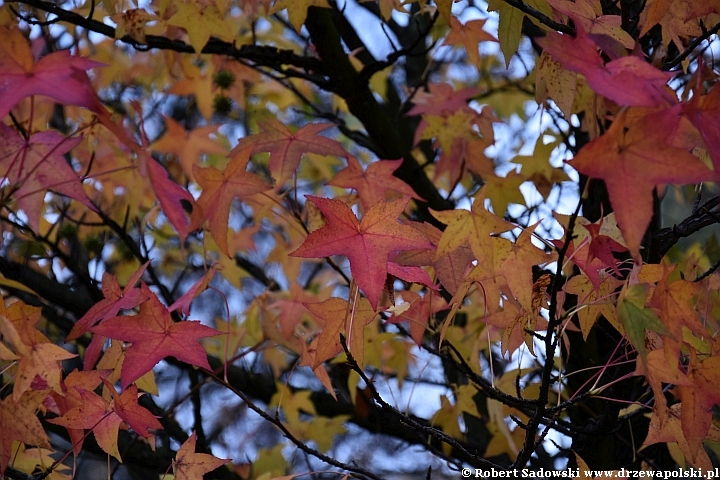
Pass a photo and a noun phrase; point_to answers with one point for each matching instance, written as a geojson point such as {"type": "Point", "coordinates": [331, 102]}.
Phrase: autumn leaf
{"type": "Point", "coordinates": [637, 318]}
{"type": "Point", "coordinates": [286, 148]}
{"type": "Point", "coordinates": [183, 303]}
{"type": "Point", "coordinates": [703, 111]}
{"type": "Point", "coordinates": [37, 357]}
{"type": "Point", "coordinates": [698, 401]}
{"type": "Point", "coordinates": [450, 268]}
{"type": "Point", "coordinates": [35, 165]}
{"type": "Point", "coordinates": [338, 316]}
{"type": "Point", "coordinates": [418, 313]}
{"type": "Point", "coordinates": [189, 465]}
{"type": "Point", "coordinates": [220, 188]}
{"type": "Point", "coordinates": [366, 243]}
{"type": "Point", "coordinates": [474, 226]}
{"type": "Point", "coordinates": [154, 336]}
{"type": "Point", "coordinates": [634, 159]}
{"type": "Point", "coordinates": [515, 261]}
{"type": "Point", "coordinates": [441, 99]}
{"type": "Point", "coordinates": [201, 20]}
{"type": "Point", "coordinates": [469, 35]}
{"type": "Point", "coordinates": [105, 418]}
{"type": "Point", "coordinates": [597, 300]}
{"type": "Point", "coordinates": [57, 75]}
{"type": "Point", "coordinates": [177, 203]}
{"type": "Point", "coordinates": [187, 146]}
{"type": "Point", "coordinates": [115, 300]}
{"type": "Point", "coordinates": [629, 81]}
{"type": "Point", "coordinates": [72, 385]}
{"type": "Point", "coordinates": [373, 183]}
{"type": "Point", "coordinates": [18, 421]}
{"type": "Point", "coordinates": [297, 10]}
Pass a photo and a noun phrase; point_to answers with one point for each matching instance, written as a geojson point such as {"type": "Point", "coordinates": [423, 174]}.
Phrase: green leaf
{"type": "Point", "coordinates": [637, 318]}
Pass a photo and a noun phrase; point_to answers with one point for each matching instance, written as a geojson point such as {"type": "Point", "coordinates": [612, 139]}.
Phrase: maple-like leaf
{"type": "Point", "coordinates": [18, 421]}
{"type": "Point", "coordinates": [473, 226]}
{"type": "Point", "coordinates": [450, 267]}
{"type": "Point", "coordinates": [115, 300]}
{"type": "Point", "coordinates": [177, 203]}
{"type": "Point", "coordinates": [441, 99]}
{"type": "Point", "coordinates": [637, 318]}
{"type": "Point", "coordinates": [57, 75]}
{"type": "Point", "coordinates": [72, 385]}
{"type": "Point", "coordinates": [37, 357]}
{"type": "Point", "coordinates": [633, 158]}
{"type": "Point", "coordinates": [201, 20]}
{"type": "Point", "coordinates": [366, 243]}
{"type": "Point", "coordinates": [297, 10]}
{"type": "Point", "coordinates": [469, 35]}
{"type": "Point", "coordinates": [35, 165]}
{"type": "Point", "coordinates": [154, 336]}
{"type": "Point", "coordinates": [286, 148]}
{"type": "Point", "coordinates": [597, 300]}
{"type": "Point", "coordinates": [337, 316]}
{"type": "Point", "coordinates": [187, 146]}
{"type": "Point", "coordinates": [698, 401]}
{"type": "Point", "coordinates": [189, 465]}
{"type": "Point", "coordinates": [372, 184]}
{"type": "Point", "coordinates": [104, 418]}
{"type": "Point", "coordinates": [628, 81]}
{"type": "Point", "coordinates": [220, 188]}
{"type": "Point", "coordinates": [514, 261]}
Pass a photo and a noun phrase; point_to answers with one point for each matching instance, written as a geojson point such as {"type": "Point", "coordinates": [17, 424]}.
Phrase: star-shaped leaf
{"type": "Point", "coordinates": [339, 316]}
{"type": "Point", "coordinates": [366, 243]}
{"type": "Point", "coordinates": [104, 418]}
{"type": "Point", "coordinates": [58, 75]}
{"type": "Point", "coordinates": [633, 158]}
{"type": "Point", "coordinates": [372, 184]}
{"type": "Point", "coordinates": [201, 20]}
{"type": "Point", "coordinates": [297, 9]}
{"type": "Point", "coordinates": [35, 165]}
{"type": "Point", "coordinates": [187, 146]}
{"type": "Point", "coordinates": [469, 35]}
{"type": "Point", "coordinates": [474, 226]}
{"type": "Point", "coordinates": [154, 336]}
{"type": "Point", "coordinates": [189, 465]}
{"type": "Point", "coordinates": [220, 188]}
{"type": "Point", "coordinates": [18, 421]}
{"type": "Point", "coordinates": [286, 148]}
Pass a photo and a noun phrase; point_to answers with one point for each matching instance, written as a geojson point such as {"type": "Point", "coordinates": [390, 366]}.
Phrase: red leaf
{"type": "Point", "coordinates": [372, 184]}
{"type": "Point", "coordinates": [154, 336]}
{"type": "Point", "coordinates": [114, 301]}
{"type": "Point", "coordinates": [633, 157]}
{"type": "Point", "coordinates": [366, 243]}
{"type": "Point", "coordinates": [58, 75]}
{"type": "Point", "coordinates": [287, 148]}
{"type": "Point", "coordinates": [177, 203]}
{"type": "Point", "coordinates": [628, 81]}
{"type": "Point", "coordinates": [35, 165]}
{"type": "Point", "coordinates": [104, 418]}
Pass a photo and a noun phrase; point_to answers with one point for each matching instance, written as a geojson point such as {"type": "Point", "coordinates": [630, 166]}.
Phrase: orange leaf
{"type": "Point", "coordinates": [189, 465]}
{"type": "Point", "coordinates": [220, 188]}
